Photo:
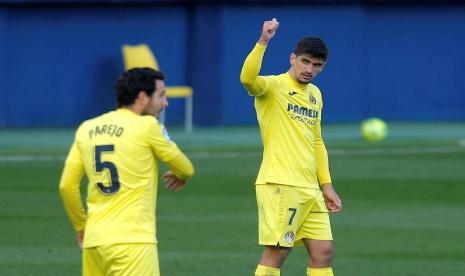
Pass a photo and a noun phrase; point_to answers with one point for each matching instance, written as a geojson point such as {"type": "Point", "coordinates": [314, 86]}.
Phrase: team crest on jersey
{"type": "Point", "coordinates": [312, 99]}
{"type": "Point", "coordinates": [289, 237]}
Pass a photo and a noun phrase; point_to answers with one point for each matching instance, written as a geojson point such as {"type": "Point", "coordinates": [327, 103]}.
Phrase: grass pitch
{"type": "Point", "coordinates": [403, 200]}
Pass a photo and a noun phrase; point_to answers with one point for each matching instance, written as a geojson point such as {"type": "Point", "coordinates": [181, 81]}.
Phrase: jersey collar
{"type": "Point", "coordinates": [293, 83]}
{"type": "Point", "coordinates": [125, 111]}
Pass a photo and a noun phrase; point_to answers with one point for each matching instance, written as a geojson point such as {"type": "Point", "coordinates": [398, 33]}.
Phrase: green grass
{"type": "Point", "coordinates": [403, 198]}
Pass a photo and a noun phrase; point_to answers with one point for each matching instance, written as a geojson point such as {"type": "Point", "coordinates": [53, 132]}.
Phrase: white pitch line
{"type": "Point", "coordinates": [240, 154]}
{"type": "Point", "coordinates": [30, 158]}
{"type": "Point", "coordinates": [394, 151]}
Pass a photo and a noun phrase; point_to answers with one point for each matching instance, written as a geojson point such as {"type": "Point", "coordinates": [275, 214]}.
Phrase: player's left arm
{"type": "Point", "coordinates": [69, 190]}
{"type": "Point", "coordinates": [180, 167]}
{"type": "Point", "coordinates": [333, 202]}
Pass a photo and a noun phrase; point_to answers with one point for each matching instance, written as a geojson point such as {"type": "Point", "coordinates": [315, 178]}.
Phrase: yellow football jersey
{"type": "Point", "coordinates": [118, 151]}
{"type": "Point", "coordinates": [289, 116]}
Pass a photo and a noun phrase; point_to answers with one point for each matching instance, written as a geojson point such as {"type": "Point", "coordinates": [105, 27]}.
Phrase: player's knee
{"type": "Point", "coordinates": [275, 256]}
{"type": "Point", "coordinates": [323, 256]}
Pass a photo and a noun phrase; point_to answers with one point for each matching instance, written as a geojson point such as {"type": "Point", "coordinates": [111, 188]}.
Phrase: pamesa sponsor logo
{"type": "Point", "coordinates": [300, 110]}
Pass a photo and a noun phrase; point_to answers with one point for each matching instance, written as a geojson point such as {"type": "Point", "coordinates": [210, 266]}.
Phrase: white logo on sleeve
{"type": "Point", "coordinates": [165, 133]}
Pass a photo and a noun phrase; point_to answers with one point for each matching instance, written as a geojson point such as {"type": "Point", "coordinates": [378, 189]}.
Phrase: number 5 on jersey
{"type": "Point", "coordinates": [100, 166]}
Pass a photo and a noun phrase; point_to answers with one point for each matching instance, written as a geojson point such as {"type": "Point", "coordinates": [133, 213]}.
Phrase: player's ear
{"type": "Point", "coordinates": [292, 58]}
{"type": "Point", "coordinates": [142, 97]}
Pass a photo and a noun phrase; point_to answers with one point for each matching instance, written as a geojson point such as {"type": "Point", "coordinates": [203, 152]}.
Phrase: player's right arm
{"type": "Point", "coordinates": [255, 84]}
{"type": "Point", "coordinates": [69, 188]}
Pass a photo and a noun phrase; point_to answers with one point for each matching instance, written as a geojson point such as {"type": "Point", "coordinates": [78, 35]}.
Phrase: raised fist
{"type": "Point", "coordinates": [268, 31]}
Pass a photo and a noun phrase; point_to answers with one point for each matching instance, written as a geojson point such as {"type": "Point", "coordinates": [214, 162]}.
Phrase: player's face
{"type": "Point", "coordinates": [304, 68]}
{"type": "Point", "coordinates": [158, 101]}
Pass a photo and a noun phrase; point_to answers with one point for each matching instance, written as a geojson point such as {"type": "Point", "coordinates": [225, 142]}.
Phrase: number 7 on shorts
{"type": "Point", "coordinates": [293, 211]}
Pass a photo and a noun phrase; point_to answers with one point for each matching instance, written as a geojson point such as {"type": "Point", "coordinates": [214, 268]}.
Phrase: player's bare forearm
{"type": "Point", "coordinates": [333, 202]}
{"type": "Point", "coordinates": [268, 31]}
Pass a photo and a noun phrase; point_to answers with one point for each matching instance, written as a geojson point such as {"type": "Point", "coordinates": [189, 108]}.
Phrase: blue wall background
{"type": "Point", "coordinates": [58, 62]}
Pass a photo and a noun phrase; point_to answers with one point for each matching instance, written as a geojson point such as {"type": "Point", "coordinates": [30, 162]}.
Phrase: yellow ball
{"type": "Point", "coordinates": [374, 129]}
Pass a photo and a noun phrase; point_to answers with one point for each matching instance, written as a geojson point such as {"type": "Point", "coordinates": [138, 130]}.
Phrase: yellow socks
{"type": "Point", "coordinates": [267, 271]}
{"type": "Point", "coordinates": [326, 271]}
{"type": "Point", "coordinates": [272, 271]}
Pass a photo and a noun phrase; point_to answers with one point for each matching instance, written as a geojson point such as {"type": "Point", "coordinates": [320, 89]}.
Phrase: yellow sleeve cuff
{"type": "Point", "coordinates": [181, 166]}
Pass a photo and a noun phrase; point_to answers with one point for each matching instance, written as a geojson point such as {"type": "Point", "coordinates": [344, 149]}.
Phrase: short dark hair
{"type": "Point", "coordinates": [133, 81]}
{"type": "Point", "coordinates": [313, 46]}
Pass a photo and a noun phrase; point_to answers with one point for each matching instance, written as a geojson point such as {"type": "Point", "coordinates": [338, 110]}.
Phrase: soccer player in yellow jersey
{"type": "Point", "coordinates": [118, 151]}
{"type": "Point", "coordinates": [294, 190]}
